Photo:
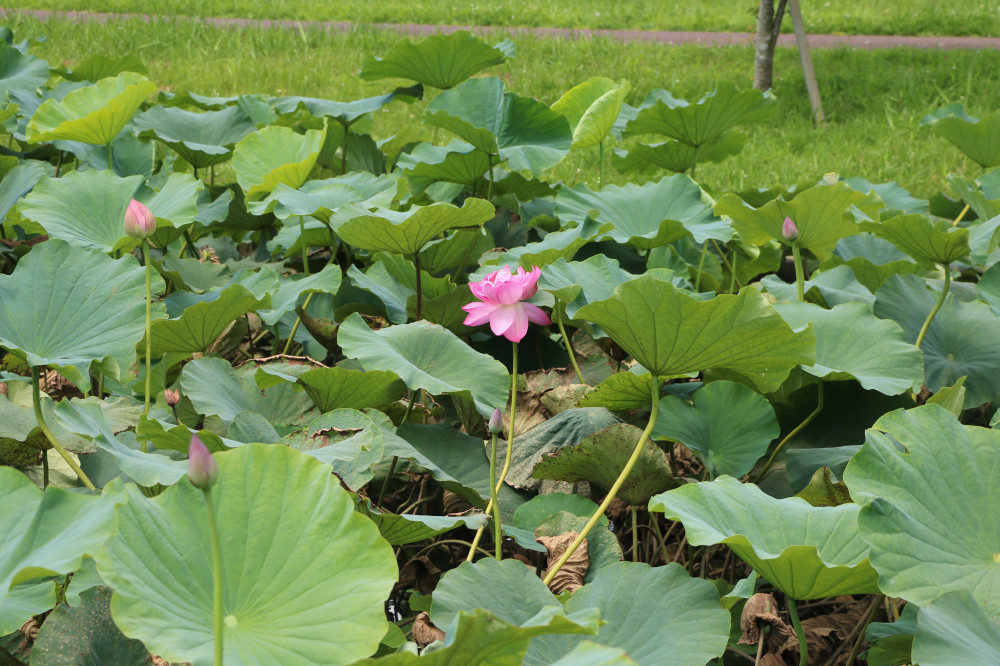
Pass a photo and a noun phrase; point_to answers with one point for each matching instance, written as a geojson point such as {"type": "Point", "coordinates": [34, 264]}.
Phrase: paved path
{"type": "Point", "coordinates": [654, 36]}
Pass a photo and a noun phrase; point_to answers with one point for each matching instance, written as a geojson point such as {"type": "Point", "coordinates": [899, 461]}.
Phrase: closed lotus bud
{"type": "Point", "coordinates": [173, 397]}
{"type": "Point", "coordinates": [202, 470]}
{"type": "Point", "coordinates": [788, 230]}
{"type": "Point", "coordinates": [139, 220]}
{"type": "Point", "coordinates": [496, 422]}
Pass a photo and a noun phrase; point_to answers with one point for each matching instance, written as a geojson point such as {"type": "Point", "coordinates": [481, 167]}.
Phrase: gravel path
{"type": "Point", "coordinates": [655, 36]}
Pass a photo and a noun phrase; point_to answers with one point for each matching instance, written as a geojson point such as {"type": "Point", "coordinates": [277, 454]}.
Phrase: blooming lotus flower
{"type": "Point", "coordinates": [788, 230]}
{"type": "Point", "coordinates": [202, 470]}
{"type": "Point", "coordinates": [139, 220]}
{"type": "Point", "coordinates": [500, 297]}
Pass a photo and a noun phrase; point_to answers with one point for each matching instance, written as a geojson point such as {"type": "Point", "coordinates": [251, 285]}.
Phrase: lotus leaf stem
{"type": "Point", "coordinates": [497, 538]}
{"type": "Point", "coordinates": [937, 306]}
{"type": "Point", "coordinates": [149, 339]}
{"type": "Point", "coordinates": [725, 260]}
{"type": "Point", "coordinates": [600, 165]}
{"type": "Point", "coordinates": [809, 419]}
{"type": "Point", "coordinates": [295, 326]}
{"type": "Point", "coordinates": [701, 264]}
{"type": "Point", "coordinates": [36, 402]}
{"type": "Point", "coordinates": [489, 189]}
{"type": "Point", "coordinates": [569, 345]}
{"type": "Point", "coordinates": [635, 534]}
{"type": "Point", "coordinates": [416, 263]}
{"type": "Point", "coordinates": [961, 216]}
{"type": "Point", "coordinates": [654, 381]}
{"type": "Point", "coordinates": [800, 276]}
{"type": "Point", "coordinates": [213, 531]}
{"type": "Point", "coordinates": [793, 613]}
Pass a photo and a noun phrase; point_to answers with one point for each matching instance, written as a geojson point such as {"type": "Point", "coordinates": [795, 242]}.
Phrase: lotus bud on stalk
{"type": "Point", "coordinates": [202, 470]}
{"type": "Point", "coordinates": [139, 220]}
{"type": "Point", "coordinates": [496, 422]}
{"type": "Point", "coordinates": [789, 231]}
{"type": "Point", "coordinates": [173, 397]}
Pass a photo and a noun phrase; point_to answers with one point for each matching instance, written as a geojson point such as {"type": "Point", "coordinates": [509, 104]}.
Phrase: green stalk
{"type": "Point", "coordinates": [36, 402]}
{"type": "Point", "coordinates": [800, 276]}
{"type": "Point", "coordinates": [937, 306]}
{"type": "Point", "coordinates": [654, 382]}
{"type": "Point", "coordinates": [295, 326]}
{"type": "Point", "coordinates": [213, 531]}
{"type": "Point", "coordinates": [701, 264]}
{"type": "Point", "coordinates": [793, 613]}
{"type": "Point", "coordinates": [635, 534]}
{"type": "Point", "coordinates": [416, 263]}
{"type": "Point", "coordinates": [149, 339]}
{"type": "Point", "coordinates": [497, 538]}
{"type": "Point", "coordinates": [111, 164]}
{"type": "Point", "coordinates": [809, 419]}
{"type": "Point", "coordinates": [600, 165]}
{"type": "Point", "coordinates": [489, 189]}
{"type": "Point", "coordinates": [569, 345]}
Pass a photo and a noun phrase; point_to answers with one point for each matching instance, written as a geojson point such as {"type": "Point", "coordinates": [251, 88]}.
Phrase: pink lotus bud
{"type": "Point", "coordinates": [139, 220]}
{"type": "Point", "coordinates": [788, 230]}
{"type": "Point", "coordinates": [173, 397]}
{"type": "Point", "coordinates": [496, 422]}
{"type": "Point", "coordinates": [202, 470]}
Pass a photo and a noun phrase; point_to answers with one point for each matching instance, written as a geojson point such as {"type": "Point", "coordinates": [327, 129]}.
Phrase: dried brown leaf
{"type": "Point", "coordinates": [424, 631]}
{"type": "Point", "coordinates": [570, 577]}
{"type": "Point", "coordinates": [421, 574]}
{"type": "Point", "coordinates": [759, 611]}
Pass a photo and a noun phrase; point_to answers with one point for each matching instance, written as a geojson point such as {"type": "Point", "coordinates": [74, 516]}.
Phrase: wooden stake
{"type": "Point", "coordinates": [807, 67]}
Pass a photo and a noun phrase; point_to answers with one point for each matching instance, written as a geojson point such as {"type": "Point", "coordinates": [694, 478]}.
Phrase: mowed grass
{"type": "Point", "coordinates": [884, 17]}
{"type": "Point", "coordinates": [874, 100]}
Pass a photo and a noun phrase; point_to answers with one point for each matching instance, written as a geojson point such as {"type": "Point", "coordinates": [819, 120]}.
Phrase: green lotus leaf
{"type": "Point", "coordinates": [47, 534]}
{"type": "Point", "coordinates": [252, 428]}
{"type": "Point", "coordinates": [407, 232]}
{"type": "Point", "coordinates": [345, 113]}
{"type": "Point", "coordinates": [285, 298]}
{"type": "Point", "coordinates": [203, 139]}
{"type": "Point", "coordinates": [556, 245]}
{"type": "Point", "coordinates": [852, 343]}
{"type": "Point", "coordinates": [461, 248]}
{"type": "Point", "coordinates": [934, 499]}
{"type": "Point", "coordinates": [17, 182]}
{"type": "Point", "coordinates": [203, 321]}
{"type": "Point", "coordinates": [91, 114]}
{"type": "Point", "coordinates": [670, 333]}
{"type": "Point", "coordinates": [802, 464]}
{"type": "Point", "coordinates": [823, 215]}
{"type": "Point", "coordinates": [728, 426]}
{"type": "Point", "coordinates": [600, 459]}
{"type": "Point", "coordinates": [194, 275]}
{"type": "Point", "coordinates": [427, 356]}
{"type": "Point", "coordinates": [677, 156]}
{"type": "Point", "coordinates": [85, 635]}
{"type": "Point", "coordinates": [320, 198]}
{"type": "Point", "coordinates": [806, 552]}
{"type": "Point", "coordinates": [66, 307]}
{"type": "Point", "coordinates": [645, 216]}
{"type": "Point", "coordinates": [697, 124]}
{"type": "Point", "coordinates": [342, 388]}
{"type": "Point", "coordinates": [393, 280]}
{"type": "Point", "coordinates": [215, 388]}
{"type": "Point", "coordinates": [592, 108]}
{"type": "Point", "coordinates": [25, 600]}
{"type": "Point", "coordinates": [621, 392]}
{"type": "Point", "coordinates": [603, 547]}
{"type": "Point", "coordinates": [406, 528]}
{"type": "Point", "coordinates": [978, 138]}
{"type": "Point", "coordinates": [953, 346]}
{"type": "Point", "coordinates": [96, 67]}
{"type": "Point", "coordinates": [441, 61]}
{"type": "Point", "coordinates": [981, 194]}
{"type": "Point", "coordinates": [953, 629]}
{"type": "Point", "coordinates": [928, 241]}
{"type": "Point", "coordinates": [351, 442]}
{"type": "Point", "coordinates": [577, 283]}
{"type": "Point", "coordinates": [456, 162]}
{"type": "Point", "coordinates": [20, 71]}
{"type": "Point", "coordinates": [521, 130]}
{"type": "Point", "coordinates": [872, 259]}
{"type": "Point", "coordinates": [896, 198]}
{"type": "Point", "coordinates": [295, 591]}
{"type": "Point", "coordinates": [275, 155]}
{"type": "Point", "coordinates": [535, 511]}
{"type": "Point", "coordinates": [828, 288]}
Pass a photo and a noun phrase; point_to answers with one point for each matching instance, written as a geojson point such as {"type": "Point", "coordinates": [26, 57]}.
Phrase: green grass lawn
{"type": "Point", "coordinates": [874, 99]}
{"type": "Point", "coordinates": [885, 17]}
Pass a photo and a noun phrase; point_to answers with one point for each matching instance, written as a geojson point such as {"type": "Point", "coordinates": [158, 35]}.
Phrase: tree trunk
{"type": "Point", "coordinates": [768, 27]}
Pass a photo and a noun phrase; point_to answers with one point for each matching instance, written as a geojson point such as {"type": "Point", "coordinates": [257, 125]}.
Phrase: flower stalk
{"type": "Point", "coordinates": [36, 402]}
{"type": "Point", "coordinates": [937, 306]}
{"type": "Point", "coordinates": [203, 472]}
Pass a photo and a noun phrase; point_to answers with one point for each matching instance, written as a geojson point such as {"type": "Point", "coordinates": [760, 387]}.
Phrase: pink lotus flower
{"type": "Point", "coordinates": [500, 294]}
{"type": "Point", "coordinates": [202, 469]}
{"type": "Point", "coordinates": [139, 220]}
{"type": "Point", "coordinates": [789, 230]}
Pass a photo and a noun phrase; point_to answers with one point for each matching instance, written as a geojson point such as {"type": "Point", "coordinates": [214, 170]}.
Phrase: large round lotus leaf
{"type": "Point", "coordinates": [928, 241]}
{"type": "Point", "coordinates": [343, 388]}
{"type": "Point", "coordinates": [66, 307]}
{"type": "Point", "coordinates": [25, 600]}
{"type": "Point", "coordinates": [806, 552]}
{"type": "Point", "coordinates": [603, 547]}
{"type": "Point", "coordinates": [96, 67]}
{"type": "Point", "coordinates": [409, 528]}
{"type": "Point", "coordinates": [621, 392]}
{"type": "Point", "coordinates": [442, 61]}
{"type": "Point", "coordinates": [18, 181]}
{"type": "Point", "coordinates": [275, 155]}
{"type": "Point", "coordinates": [592, 108]}
{"type": "Point", "coordinates": [577, 283]}
{"type": "Point", "coordinates": [979, 138]}
{"type": "Point", "coordinates": [407, 232]}
{"type": "Point", "coordinates": [203, 139]}
{"type": "Point", "coordinates": [304, 578]}
{"type": "Point", "coordinates": [204, 320]}
{"type": "Point", "coordinates": [533, 512]}
{"type": "Point", "coordinates": [827, 288]}
{"type": "Point", "coordinates": [521, 130]}
{"type": "Point", "coordinates": [709, 117]}
{"type": "Point", "coordinates": [601, 457]}
{"type": "Point", "coordinates": [351, 442]}
{"type": "Point", "coordinates": [953, 346]}
{"type": "Point", "coordinates": [92, 114]}
{"type": "Point", "coordinates": [21, 71]}
{"type": "Point", "coordinates": [952, 630]}
{"type": "Point", "coordinates": [85, 635]}
{"type": "Point", "coordinates": [47, 534]}
{"type": "Point", "coordinates": [670, 333]}
{"type": "Point", "coordinates": [345, 113]}
{"type": "Point", "coordinates": [727, 425]}
{"type": "Point", "coordinates": [320, 198]}
{"type": "Point", "coordinates": [287, 296]}
{"type": "Point", "coordinates": [645, 216]}
{"type": "Point", "coordinates": [936, 499]}
{"type": "Point", "coordinates": [677, 156]}
{"type": "Point", "coordinates": [822, 214]}
{"type": "Point", "coordinates": [456, 162]}
{"type": "Point", "coordinates": [429, 357]}
{"type": "Point", "coordinates": [852, 343]}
